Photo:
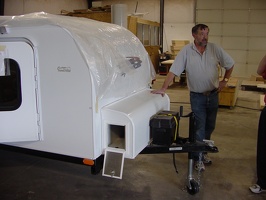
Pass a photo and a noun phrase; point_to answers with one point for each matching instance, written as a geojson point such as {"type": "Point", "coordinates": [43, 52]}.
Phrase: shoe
{"type": "Point", "coordinates": [206, 159]}
{"type": "Point", "coordinates": [256, 189]}
{"type": "Point", "coordinates": [199, 166]}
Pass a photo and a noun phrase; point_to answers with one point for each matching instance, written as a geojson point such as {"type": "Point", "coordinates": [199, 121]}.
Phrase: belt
{"type": "Point", "coordinates": [207, 93]}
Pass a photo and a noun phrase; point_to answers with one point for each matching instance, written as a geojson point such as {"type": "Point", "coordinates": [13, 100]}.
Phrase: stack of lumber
{"type": "Point", "coordinates": [262, 103]}
{"type": "Point", "coordinates": [255, 83]}
{"type": "Point", "coordinates": [263, 88]}
{"type": "Point", "coordinates": [177, 45]}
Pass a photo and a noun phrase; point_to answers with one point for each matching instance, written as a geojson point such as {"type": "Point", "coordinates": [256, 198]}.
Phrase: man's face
{"type": "Point", "coordinates": [201, 37]}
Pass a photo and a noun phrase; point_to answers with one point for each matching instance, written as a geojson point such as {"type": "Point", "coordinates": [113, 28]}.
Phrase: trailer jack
{"type": "Point", "coordinates": [182, 145]}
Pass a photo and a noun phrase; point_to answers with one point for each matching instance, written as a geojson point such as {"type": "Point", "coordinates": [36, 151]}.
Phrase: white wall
{"type": "Point", "coordinates": [178, 21]}
{"type": "Point", "coordinates": [179, 18]}
{"type": "Point", "coordinates": [239, 27]}
{"type": "Point", "coordinates": [179, 14]}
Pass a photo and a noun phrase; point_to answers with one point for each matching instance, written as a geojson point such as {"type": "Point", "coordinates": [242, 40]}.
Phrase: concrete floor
{"type": "Point", "coordinates": [148, 177]}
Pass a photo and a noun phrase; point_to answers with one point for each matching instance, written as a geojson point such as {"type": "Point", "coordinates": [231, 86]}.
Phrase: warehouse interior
{"type": "Point", "coordinates": [236, 25]}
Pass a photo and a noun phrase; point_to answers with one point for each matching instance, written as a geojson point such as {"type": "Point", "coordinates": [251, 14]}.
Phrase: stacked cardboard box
{"type": "Point", "coordinates": [177, 45]}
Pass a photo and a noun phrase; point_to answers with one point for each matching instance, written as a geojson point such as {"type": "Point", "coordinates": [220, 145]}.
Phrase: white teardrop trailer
{"type": "Point", "coordinates": [80, 88]}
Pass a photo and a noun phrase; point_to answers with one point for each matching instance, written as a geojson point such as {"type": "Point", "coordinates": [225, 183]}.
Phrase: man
{"type": "Point", "coordinates": [260, 186]}
{"type": "Point", "coordinates": [201, 60]}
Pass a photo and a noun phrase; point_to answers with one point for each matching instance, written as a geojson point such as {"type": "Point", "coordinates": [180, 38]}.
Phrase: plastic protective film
{"type": "Point", "coordinates": [117, 60]}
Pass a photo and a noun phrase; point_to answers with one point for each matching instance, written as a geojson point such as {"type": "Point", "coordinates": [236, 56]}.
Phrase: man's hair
{"type": "Point", "coordinates": [199, 27]}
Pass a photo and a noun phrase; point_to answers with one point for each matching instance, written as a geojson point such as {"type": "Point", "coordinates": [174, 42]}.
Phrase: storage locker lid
{"type": "Point", "coordinates": [162, 121]}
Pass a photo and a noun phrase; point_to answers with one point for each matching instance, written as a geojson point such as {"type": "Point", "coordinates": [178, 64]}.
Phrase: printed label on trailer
{"type": "Point", "coordinates": [175, 149]}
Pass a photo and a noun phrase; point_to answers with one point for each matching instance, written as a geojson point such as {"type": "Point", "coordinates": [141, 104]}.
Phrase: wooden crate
{"type": "Point", "coordinates": [228, 95]}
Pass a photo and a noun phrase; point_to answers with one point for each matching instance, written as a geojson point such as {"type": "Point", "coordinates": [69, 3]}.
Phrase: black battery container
{"type": "Point", "coordinates": [164, 127]}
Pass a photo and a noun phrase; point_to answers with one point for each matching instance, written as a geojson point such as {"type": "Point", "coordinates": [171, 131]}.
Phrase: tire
{"type": "Point", "coordinates": [194, 189]}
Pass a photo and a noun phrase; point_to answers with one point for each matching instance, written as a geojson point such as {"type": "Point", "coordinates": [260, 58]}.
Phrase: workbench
{"type": "Point", "coordinates": [165, 67]}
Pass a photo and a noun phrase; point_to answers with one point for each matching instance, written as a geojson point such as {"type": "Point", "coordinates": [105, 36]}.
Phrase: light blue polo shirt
{"type": "Point", "coordinates": [201, 69]}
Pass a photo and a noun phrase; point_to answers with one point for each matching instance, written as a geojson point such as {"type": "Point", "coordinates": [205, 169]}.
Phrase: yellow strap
{"type": "Point", "coordinates": [175, 128]}
{"type": "Point", "coordinates": [175, 122]}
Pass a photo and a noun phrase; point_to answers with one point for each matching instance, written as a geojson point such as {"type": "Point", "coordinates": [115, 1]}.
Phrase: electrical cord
{"type": "Point", "coordinates": [174, 163]}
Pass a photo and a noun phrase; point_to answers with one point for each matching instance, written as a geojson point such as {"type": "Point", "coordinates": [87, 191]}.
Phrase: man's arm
{"type": "Point", "coordinates": [227, 75]}
{"type": "Point", "coordinates": [170, 76]}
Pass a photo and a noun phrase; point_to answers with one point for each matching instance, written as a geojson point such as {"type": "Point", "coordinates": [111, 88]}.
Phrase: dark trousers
{"type": "Point", "coordinates": [261, 150]}
{"type": "Point", "coordinates": [205, 108]}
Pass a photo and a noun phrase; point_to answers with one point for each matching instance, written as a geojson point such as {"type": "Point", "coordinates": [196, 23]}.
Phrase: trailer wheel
{"type": "Point", "coordinates": [194, 187]}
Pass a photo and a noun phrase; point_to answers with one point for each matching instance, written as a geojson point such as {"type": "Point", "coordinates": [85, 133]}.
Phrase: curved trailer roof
{"type": "Point", "coordinates": [115, 57]}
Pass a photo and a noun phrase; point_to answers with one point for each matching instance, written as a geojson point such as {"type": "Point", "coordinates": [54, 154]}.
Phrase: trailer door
{"type": "Point", "coordinates": [18, 92]}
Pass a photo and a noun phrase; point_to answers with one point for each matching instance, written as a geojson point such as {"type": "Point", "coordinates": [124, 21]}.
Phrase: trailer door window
{"type": "Point", "coordinates": [10, 86]}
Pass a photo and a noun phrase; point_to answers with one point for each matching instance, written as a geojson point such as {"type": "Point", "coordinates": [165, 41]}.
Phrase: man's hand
{"type": "Point", "coordinates": [170, 76]}
{"type": "Point", "coordinates": [160, 91]}
{"type": "Point", "coordinates": [222, 84]}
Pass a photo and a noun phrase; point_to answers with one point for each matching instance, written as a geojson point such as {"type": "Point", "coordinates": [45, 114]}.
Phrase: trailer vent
{"type": "Point", "coordinates": [113, 163]}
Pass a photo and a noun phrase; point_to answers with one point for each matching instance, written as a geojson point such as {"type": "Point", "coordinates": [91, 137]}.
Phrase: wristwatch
{"type": "Point", "coordinates": [226, 79]}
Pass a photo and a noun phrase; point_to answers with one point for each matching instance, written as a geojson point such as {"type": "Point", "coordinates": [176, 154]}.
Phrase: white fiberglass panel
{"type": "Point", "coordinates": [21, 124]}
